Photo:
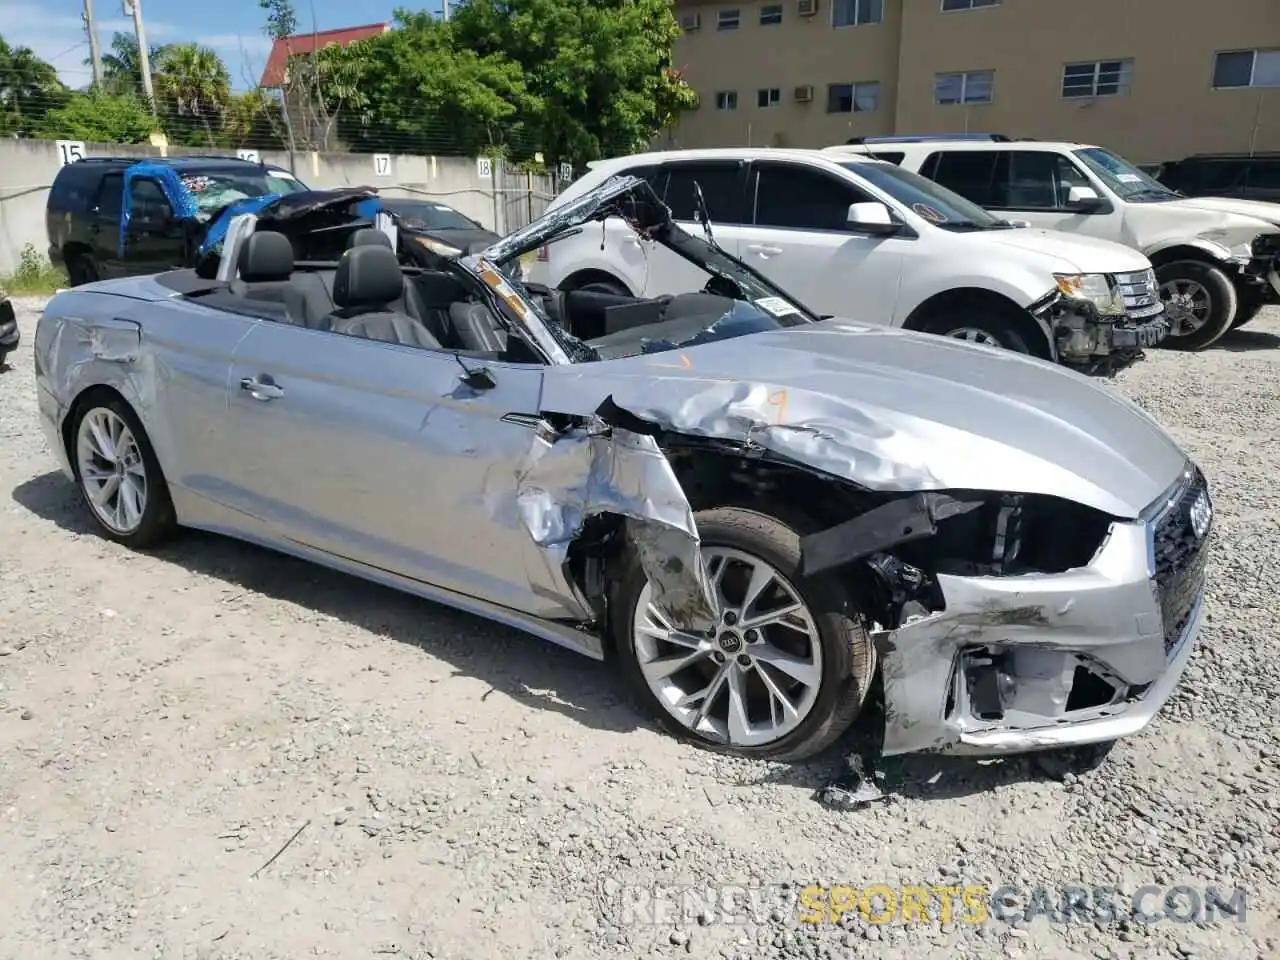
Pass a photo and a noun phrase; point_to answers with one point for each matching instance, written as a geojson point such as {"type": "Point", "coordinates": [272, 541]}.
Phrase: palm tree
{"type": "Point", "coordinates": [191, 81]}
{"type": "Point", "coordinates": [29, 88]}
{"type": "Point", "coordinates": [120, 70]}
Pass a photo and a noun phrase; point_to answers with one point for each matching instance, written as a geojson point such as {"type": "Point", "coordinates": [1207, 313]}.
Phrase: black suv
{"type": "Point", "coordinates": [1239, 176]}
{"type": "Point", "coordinates": [115, 216]}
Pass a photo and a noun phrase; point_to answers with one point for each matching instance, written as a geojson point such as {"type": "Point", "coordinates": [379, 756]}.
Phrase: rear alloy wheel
{"type": "Point", "coordinates": [81, 270]}
{"type": "Point", "coordinates": [980, 327]}
{"type": "Point", "coordinates": [1200, 303]}
{"type": "Point", "coordinates": [119, 476]}
{"type": "Point", "coordinates": [785, 672]}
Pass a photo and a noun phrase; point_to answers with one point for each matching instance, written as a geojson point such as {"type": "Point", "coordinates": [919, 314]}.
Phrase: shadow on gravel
{"type": "Point", "coordinates": [1246, 341]}
{"type": "Point", "coordinates": [533, 672]}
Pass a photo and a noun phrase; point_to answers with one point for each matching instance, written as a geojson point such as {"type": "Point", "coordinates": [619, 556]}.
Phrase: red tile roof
{"type": "Point", "coordinates": [286, 47]}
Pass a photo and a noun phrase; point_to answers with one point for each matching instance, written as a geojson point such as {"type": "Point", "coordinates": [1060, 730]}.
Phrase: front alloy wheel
{"type": "Point", "coordinates": [786, 669]}
{"type": "Point", "coordinates": [1200, 303]}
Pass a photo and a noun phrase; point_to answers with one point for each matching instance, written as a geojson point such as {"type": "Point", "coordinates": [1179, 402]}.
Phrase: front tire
{"type": "Point", "coordinates": [1246, 310]}
{"type": "Point", "coordinates": [979, 326]}
{"type": "Point", "coordinates": [118, 475]}
{"type": "Point", "coordinates": [1200, 303]}
{"type": "Point", "coordinates": [82, 269]}
{"type": "Point", "coordinates": [789, 668]}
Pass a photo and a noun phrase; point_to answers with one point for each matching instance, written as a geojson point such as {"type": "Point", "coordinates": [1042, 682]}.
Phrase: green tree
{"type": "Point", "coordinates": [99, 117]}
{"type": "Point", "coordinates": [121, 72]}
{"type": "Point", "coordinates": [600, 70]}
{"type": "Point", "coordinates": [417, 90]}
{"type": "Point", "coordinates": [29, 88]}
{"type": "Point", "coordinates": [249, 121]}
{"type": "Point", "coordinates": [192, 86]}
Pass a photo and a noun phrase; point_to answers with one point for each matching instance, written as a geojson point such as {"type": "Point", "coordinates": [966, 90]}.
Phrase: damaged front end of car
{"type": "Point", "coordinates": [1101, 323]}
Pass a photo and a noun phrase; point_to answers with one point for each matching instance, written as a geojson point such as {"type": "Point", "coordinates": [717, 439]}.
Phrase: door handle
{"type": "Point", "coordinates": [260, 390]}
{"type": "Point", "coordinates": [764, 249]}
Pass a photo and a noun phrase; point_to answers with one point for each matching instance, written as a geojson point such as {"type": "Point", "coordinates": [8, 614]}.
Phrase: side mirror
{"type": "Point", "coordinates": [1083, 199]}
{"type": "Point", "coordinates": [873, 218]}
{"type": "Point", "coordinates": [1020, 224]}
{"type": "Point", "coordinates": [479, 380]}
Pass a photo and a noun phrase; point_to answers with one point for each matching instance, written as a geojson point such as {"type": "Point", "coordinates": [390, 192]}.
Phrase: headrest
{"type": "Point", "coordinates": [368, 276]}
{"type": "Point", "coordinates": [369, 236]}
{"type": "Point", "coordinates": [265, 256]}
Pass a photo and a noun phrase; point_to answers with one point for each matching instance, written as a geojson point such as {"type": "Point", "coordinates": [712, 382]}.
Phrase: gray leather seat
{"type": "Point", "coordinates": [477, 329]}
{"type": "Point", "coordinates": [309, 300]}
{"type": "Point", "coordinates": [368, 282]}
{"type": "Point", "coordinates": [421, 299]}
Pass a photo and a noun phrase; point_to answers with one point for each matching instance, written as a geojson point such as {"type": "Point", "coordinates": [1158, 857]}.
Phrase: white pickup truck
{"type": "Point", "coordinates": [863, 239]}
{"type": "Point", "coordinates": [1217, 260]}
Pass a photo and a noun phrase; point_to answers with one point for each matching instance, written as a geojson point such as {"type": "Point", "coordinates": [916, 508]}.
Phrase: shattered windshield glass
{"type": "Point", "coordinates": [214, 190]}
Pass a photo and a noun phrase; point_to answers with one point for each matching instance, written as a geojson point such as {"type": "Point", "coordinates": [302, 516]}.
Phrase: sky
{"type": "Point", "coordinates": [54, 31]}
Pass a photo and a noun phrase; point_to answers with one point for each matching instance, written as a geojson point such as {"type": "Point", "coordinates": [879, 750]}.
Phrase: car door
{"type": "Point", "coordinates": [723, 190]}
{"type": "Point", "coordinates": [377, 453]}
{"type": "Point", "coordinates": [104, 226]}
{"type": "Point", "coordinates": [1030, 185]}
{"type": "Point", "coordinates": [154, 237]}
{"type": "Point", "coordinates": [800, 238]}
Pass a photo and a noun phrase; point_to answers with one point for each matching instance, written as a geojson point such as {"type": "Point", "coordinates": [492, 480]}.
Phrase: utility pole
{"type": "Point", "coordinates": [144, 60]}
{"type": "Point", "coordinates": [95, 54]}
{"type": "Point", "coordinates": [444, 9]}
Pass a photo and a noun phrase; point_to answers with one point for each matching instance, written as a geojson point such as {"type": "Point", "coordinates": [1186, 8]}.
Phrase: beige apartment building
{"type": "Point", "coordinates": [1151, 79]}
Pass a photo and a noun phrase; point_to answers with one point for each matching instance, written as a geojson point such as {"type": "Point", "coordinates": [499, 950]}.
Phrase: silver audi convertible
{"type": "Point", "coordinates": [756, 512]}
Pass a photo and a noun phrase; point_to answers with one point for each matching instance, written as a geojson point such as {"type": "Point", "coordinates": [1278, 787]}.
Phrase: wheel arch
{"type": "Point", "coordinates": [82, 400]}
{"type": "Point", "coordinates": [580, 278]}
{"type": "Point", "coordinates": [1198, 251]}
{"type": "Point", "coordinates": [980, 298]}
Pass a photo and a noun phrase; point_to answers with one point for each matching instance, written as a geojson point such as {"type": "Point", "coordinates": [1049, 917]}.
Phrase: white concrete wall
{"type": "Point", "coordinates": [501, 202]}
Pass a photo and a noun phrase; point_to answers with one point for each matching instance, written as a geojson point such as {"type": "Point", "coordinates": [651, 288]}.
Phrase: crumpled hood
{"type": "Point", "coordinates": [894, 410]}
{"type": "Point", "coordinates": [1074, 253]}
{"type": "Point", "coordinates": [1258, 209]}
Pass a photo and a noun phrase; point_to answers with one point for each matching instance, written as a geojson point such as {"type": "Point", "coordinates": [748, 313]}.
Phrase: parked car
{"type": "Point", "coordinates": [120, 216]}
{"type": "Point", "coordinates": [859, 237]}
{"type": "Point", "coordinates": [1217, 260]}
{"type": "Point", "coordinates": [724, 493]}
{"type": "Point", "coordinates": [441, 227]}
{"type": "Point", "coordinates": [1240, 176]}
{"type": "Point", "coordinates": [9, 333]}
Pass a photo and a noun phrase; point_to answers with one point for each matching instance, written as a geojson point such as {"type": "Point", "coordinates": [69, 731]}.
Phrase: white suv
{"type": "Point", "coordinates": [858, 238]}
{"type": "Point", "coordinates": [1217, 260]}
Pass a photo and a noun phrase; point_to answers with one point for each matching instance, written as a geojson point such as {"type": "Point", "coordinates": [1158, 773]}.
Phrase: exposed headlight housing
{"type": "Point", "coordinates": [435, 246]}
{"type": "Point", "coordinates": [1094, 288]}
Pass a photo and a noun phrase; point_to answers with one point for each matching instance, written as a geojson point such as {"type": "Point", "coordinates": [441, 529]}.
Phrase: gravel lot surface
{"type": "Point", "coordinates": [168, 722]}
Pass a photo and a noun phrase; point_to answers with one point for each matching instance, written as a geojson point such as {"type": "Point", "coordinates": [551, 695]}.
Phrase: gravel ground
{"type": "Point", "coordinates": [168, 722]}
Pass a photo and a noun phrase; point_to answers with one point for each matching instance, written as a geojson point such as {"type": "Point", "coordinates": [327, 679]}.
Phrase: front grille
{"type": "Point", "coordinates": [1179, 555]}
{"type": "Point", "coordinates": [1140, 293]}
{"type": "Point", "coordinates": [1267, 246]}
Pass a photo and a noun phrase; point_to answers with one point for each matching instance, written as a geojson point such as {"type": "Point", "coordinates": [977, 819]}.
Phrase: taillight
{"type": "Point", "coordinates": [543, 254]}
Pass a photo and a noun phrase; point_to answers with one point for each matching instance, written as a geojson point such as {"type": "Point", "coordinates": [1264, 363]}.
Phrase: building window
{"type": "Point", "coordinates": [1106, 78]}
{"type": "Point", "coordinates": [726, 99]}
{"type": "Point", "coordinates": [852, 13]}
{"type": "Point", "coordinates": [972, 87]}
{"type": "Point", "coordinates": [1246, 68]}
{"type": "Point", "coordinates": [852, 97]}
{"type": "Point", "coordinates": [727, 20]}
{"type": "Point", "coordinates": [949, 5]}
{"type": "Point", "coordinates": [769, 97]}
{"type": "Point", "coordinates": [770, 14]}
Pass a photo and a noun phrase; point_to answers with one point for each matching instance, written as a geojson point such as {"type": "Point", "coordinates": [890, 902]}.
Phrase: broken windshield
{"type": "Point", "coordinates": [213, 190]}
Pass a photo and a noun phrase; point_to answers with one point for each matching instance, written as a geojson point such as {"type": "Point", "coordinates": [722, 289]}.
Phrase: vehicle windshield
{"type": "Point", "coordinates": [1124, 179]}
{"type": "Point", "coordinates": [926, 199]}
{"type": "Point", "coordinates": [426, 215]}
{"type": "Point", "coordinates": [214, 190]}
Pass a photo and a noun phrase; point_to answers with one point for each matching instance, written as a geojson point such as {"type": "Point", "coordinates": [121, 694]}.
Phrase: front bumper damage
{"type": "Point", "coordinates": [1087, 341]}
{"type": "Point", "coordinates": [972, 662]}
{"type": "Point", "coordinates": [1263, 269]}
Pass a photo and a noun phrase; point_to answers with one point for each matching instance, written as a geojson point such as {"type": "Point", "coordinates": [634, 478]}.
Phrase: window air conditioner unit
{"type": "Point", "coordinates": [807, 8]}
{"type": "Point", "coordinates": [804, 94]}
{"type": "Point", "coordinates": [690, 21]}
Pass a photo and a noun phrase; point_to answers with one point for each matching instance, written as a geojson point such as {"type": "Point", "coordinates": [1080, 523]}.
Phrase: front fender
{"type": "Point", "coordinates": [1212, 248]}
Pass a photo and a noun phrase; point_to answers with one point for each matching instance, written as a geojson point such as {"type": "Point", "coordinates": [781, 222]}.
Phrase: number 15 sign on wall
{"type": "Point", "coordinates": [69, 151]}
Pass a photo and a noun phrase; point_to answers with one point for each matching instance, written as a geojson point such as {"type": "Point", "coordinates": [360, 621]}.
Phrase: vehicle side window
{"type": "Point", "coordinates": [721, 184]}
{"type": "Point", "coordinates": [801, 198]}
{"type": "Point", "coordinates": [1264, 175]}
{"type": "Point", "coordinates": [1206, 177]}
{"type": "Point", "coordinates": [1038, 181]}
{"type": "Point", "coordinates": [979, 176]}
{"type": "Point", "coordinates": [70, 190]}
{"type": "Point", "coordinates": [894, 157]}
{"type": "Point", "coordinates": [110, 194]}
{"type": "Point", "coordinates": [148, 199]}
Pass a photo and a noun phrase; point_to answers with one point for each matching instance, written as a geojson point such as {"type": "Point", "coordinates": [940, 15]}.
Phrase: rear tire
{"type": "Point", "coordinates": [118, 475]}
{"type": "Point", "coordinates": [1200, 303]}
{"type": "Point", "coordinates": [979, 326]}
{"type": "Point", "coordinates": [4, 355]}
{"type": "Point", "coordinates": [82, 269]}
{"type": "Point", "coordinates": [611, 287]}
{"type": "Point", "coordinates": [823, 639]}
